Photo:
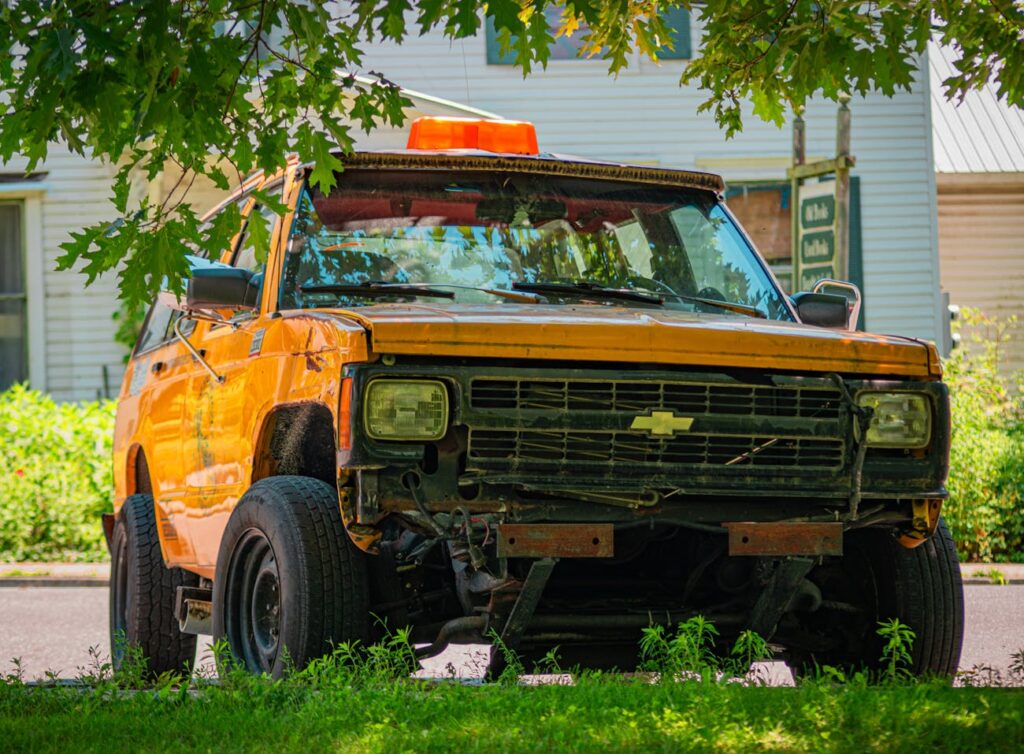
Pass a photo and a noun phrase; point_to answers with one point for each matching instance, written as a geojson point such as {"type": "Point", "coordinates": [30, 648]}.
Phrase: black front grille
{"type": "Point", "coordinates": [623, 452]}
{"type": "Point", "coordinates": [630, 396]}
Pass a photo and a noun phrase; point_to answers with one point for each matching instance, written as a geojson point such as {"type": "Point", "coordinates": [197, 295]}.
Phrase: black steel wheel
{"type": "Point", "coordinates": [253, 613]}
{"type": "Point", "coordinates": [876, 580]}
{"type": "Point", "coordinates": [289, 582]}
{"type": "Point", "coordinates": [142, 593]}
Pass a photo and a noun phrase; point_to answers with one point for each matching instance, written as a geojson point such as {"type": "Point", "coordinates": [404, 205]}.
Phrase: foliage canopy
{"type": "Point", "coordinates": [148, 84]}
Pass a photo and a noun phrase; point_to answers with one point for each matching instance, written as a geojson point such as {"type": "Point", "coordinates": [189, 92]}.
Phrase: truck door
{"type": "Point", "coordinates": [160, 373]}
{"type": "Point", "coordinates": [219, 452]}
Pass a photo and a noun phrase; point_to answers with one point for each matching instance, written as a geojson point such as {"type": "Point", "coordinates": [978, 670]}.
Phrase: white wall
{"type": "Point", "coordinates": [644, 115]}
{"type": "Point", "coordinates": [77, 339]}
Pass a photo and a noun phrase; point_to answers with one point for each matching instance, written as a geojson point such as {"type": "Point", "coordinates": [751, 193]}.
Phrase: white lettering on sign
{"type": "Point", "coordinates": [816, 212]}
{"type": "Point", "coordinates": [817, 248]}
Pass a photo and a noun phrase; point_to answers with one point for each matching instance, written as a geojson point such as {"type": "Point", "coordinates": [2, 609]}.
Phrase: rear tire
{"type": "Point", "coordinates": [920, 587]}
{"type": "Point", "coordinates": [142, 593]}
{"type": "Point", "coordinates": [289, 582]}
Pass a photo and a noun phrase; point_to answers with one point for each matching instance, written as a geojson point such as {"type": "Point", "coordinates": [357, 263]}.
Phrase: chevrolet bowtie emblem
{"type": "Point", "coordinates": [662, 423]}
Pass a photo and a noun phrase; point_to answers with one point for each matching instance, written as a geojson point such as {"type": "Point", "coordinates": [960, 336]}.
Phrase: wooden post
{"type": "Point", "coordinates": [843, 189]}
{"type": "Point", "coordinates": [799, 157]}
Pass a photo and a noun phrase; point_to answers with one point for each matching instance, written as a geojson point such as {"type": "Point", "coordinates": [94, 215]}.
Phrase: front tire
{"type": "Point", "coordinates": [289, 582]}
{"type": "Point", "coordinates": [920, 587]}
{"type": "Point", "coordinates": [142, 593]}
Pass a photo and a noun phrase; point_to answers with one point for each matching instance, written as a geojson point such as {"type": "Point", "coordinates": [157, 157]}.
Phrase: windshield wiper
{"type": "Point", "coordinates": [524, 297]}
{"type": "Point", "coordinates": [750, 311]}
{"type": "Point", "coordinates": [371, 289]}
{"type": "Point", "coordinates": [589, 290]}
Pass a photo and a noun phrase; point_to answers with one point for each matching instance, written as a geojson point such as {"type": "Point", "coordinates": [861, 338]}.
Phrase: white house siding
{"type": "Point", "coordinates": [78, 334]}
{"type": "Point", "coordinates": [644, 116]}
{"type": "Point", "coordinates": [981, 234]}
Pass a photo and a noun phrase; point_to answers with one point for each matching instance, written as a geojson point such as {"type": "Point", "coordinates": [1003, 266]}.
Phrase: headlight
{"type": "Point", "coordinates": [406, 410]}
{"type": "Point", "coordinates": [899, 420]}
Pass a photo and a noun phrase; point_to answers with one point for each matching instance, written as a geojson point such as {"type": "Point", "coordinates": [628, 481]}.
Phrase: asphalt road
{"type": "Point", "coordinates": [63, 631]}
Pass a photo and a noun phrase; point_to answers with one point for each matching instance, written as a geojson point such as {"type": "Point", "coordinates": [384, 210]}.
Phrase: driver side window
{"type": "Point", "coordinates": [254, 242]}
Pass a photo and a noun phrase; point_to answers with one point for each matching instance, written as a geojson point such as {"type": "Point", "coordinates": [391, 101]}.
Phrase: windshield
{"type": "Point", "coordinates": [479, 231]}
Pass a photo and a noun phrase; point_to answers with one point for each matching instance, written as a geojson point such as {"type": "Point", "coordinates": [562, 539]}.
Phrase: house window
{"type": "Point", "coordinates": [567, 48]}
{"type": "Point", "coordinates": [13, 357]}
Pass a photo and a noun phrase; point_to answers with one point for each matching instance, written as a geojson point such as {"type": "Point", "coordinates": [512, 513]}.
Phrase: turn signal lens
{"type": "Point", "coordinates": [412, 410]}
{"type": "Point", "coordinates": [506, 136]}
{"type": "Point", "coordinates": [898, 420]}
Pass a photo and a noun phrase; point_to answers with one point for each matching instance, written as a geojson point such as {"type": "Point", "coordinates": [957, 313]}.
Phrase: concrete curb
{"type": "Point", "coordinates": [98, 574]}
{"type": "Point", "coordinates": [54, 574]}
{"type": "Point", "coordinates": [40, 581]}
{"type": "Point", "coordinates": [992, 573]}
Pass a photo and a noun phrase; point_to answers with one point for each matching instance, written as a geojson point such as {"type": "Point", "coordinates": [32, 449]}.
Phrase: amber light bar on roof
{"type": "Point", "coordinates": [503, 136]}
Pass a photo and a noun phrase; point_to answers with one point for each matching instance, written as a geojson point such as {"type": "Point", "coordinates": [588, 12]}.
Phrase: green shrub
{"type": "Point", "coordinates": [985, 511]}
{"type": "Point", "coordinates": [55, 476]}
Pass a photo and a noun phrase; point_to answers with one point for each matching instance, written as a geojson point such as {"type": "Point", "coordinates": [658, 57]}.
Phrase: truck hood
{"type": "Point", "coordinates": [617, 334]}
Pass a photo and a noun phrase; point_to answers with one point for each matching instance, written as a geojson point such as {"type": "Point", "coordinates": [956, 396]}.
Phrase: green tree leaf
{"type": "Point", "coordinates": [214, 90]}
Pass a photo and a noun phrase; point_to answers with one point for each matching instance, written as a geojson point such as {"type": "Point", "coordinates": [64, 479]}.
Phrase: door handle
{"type": "Point", "coordinates": [158, 366]}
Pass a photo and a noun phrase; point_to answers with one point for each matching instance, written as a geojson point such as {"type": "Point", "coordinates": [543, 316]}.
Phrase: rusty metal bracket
{"type": "Point", "coordinates": [861, 417]}
{"type": "Point", "coordinates": [556, 540]}
{"type": "Point", "coordinates": [785, 538]}
{"type": "Point", "coordinates": [923, 522]}
{"type": "Point", "coordinates": [526, 604]}
{"type": "Point", "coordinates": [777, 595]}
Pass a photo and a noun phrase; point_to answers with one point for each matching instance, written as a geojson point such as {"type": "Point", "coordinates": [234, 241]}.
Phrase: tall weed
{"type": "Point", "coordinates": [896, 653]}
{"type": "Point", "coordinates": [690, 652]}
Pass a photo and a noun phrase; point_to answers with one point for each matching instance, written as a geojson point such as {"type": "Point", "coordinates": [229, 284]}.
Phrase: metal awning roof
{"type": "Point", "coordinates": [982, 134]}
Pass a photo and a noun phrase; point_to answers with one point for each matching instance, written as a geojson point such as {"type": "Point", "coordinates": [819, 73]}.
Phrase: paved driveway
{"type": "Point", "coordinates": [54, 629]}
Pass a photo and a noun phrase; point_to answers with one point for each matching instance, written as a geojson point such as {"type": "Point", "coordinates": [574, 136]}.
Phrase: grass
{"type": "Point", "coordinates": [596, 714]}
{"type": "Point", "coordinates": [362, 700]}
{"type": "Point", "coordinates": [995, 576]}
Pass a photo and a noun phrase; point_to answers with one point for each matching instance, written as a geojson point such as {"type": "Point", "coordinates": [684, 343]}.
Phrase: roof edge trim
{"type": "Point", "coordinates": [535, 165]}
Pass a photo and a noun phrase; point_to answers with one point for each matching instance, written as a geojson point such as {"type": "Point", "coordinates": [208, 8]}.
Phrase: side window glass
{"type": "Point", "coordinates": [159, 324]}
{"type": "Point", "coordinates": [155, 328]}
{"type": "Point", "coordinates": [254, 244]}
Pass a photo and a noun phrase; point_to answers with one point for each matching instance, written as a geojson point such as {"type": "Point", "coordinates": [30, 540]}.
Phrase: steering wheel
{"type": "Point", "coordinates": [711, 293]}
{"type": "Point", "coordinates": [413, 271]}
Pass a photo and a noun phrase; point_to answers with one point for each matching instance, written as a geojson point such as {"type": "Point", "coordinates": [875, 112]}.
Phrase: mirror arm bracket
{"type": "Point", "coordinates": [219, 378]}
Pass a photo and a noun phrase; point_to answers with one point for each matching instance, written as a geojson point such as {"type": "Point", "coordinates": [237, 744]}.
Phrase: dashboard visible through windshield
{"type": "Point", "coordinates": [489, 236]}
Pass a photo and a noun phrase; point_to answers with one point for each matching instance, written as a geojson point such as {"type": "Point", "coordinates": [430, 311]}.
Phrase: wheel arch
{"type": "Point", "coordinates": [297, 439]}
{"type": "Point", "coordinates": [137, 477]}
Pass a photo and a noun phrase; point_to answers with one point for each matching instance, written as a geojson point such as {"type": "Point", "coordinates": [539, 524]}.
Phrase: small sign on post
{"type": "Point", "coordinates": [821, 220]}
{"type": "Point", "coordinates": [816, 234]}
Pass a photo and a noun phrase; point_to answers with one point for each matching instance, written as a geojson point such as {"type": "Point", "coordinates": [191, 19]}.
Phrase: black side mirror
{"type": "Point", "coordinates": [822, 309]}
{"type": "Point", "coordinates": [222, 288]}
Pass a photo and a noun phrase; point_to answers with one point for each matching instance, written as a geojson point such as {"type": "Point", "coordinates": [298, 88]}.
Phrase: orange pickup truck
{"type": "Point", "coordinates": [479, 390]}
